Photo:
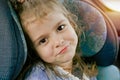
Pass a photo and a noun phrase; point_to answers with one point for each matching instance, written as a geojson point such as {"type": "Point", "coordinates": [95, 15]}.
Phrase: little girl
{"type": "Point", "coordinates": [52, 38]}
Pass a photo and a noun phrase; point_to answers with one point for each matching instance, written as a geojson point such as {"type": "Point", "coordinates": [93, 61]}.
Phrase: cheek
{"type": "Point", "coordinates": [45, 53]}
{"type": "Point", "coordinates": [75, 39]}
{"type": "Point", "coordinates": [72, 37]}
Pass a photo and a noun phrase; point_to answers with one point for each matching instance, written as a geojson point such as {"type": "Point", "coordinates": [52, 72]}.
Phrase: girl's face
{"type": "Point", "coordinates": [53, 37]}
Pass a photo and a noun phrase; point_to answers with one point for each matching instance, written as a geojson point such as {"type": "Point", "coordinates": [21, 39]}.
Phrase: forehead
{"type": "Point", "coordinates": [42, 9]}
{"type": "Point", "coordinates": [52, 16]}
{"type": "Point", "coordinates": [33, 25]}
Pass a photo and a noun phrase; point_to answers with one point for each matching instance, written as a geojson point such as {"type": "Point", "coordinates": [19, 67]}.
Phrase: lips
{"type": "Point", "coordinates": [63, 50]}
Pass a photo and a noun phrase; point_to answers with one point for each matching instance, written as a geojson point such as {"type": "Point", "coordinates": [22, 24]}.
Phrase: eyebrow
{"type": "Point", "coordinates": [59, 23]}
{"type": "Point", "coordinates": [53, 27]}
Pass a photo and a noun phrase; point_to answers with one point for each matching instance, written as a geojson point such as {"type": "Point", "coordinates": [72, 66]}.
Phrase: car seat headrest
{"type": "Point", "coordinates": [99, 41]}
{"type": "Point", "coordinates": [12, 44]}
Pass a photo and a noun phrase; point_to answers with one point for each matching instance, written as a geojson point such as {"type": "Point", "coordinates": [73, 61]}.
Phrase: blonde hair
{"type": "Point", "coordinates": [39, 9]}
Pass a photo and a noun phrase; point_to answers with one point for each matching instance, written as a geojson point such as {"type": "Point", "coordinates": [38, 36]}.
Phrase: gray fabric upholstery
{"type": "Point", "coordinates": [12, 53]}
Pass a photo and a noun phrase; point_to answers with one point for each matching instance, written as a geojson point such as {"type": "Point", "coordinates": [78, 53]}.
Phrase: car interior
{"type": "Point", "coordinates": [101, 39]}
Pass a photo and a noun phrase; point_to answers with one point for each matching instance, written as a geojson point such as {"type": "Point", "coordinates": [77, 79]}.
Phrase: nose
{"type": "Point", "coordinates": [59, 41]}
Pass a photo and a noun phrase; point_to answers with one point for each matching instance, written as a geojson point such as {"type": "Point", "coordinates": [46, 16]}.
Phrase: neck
{"type": "Point", "coordinates": [67, 66]}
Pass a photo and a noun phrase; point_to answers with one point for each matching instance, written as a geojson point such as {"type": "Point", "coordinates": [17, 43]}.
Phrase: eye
{"type": "Point", "coordinates": [43, 41]}
{"type": "Point", "coordinates": [61, 27]}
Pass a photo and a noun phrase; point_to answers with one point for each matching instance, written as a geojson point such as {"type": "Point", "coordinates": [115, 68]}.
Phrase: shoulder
{"type": "Point", "coordinates": [37, 72]}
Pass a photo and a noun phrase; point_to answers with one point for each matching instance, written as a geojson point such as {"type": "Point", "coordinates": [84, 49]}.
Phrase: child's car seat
{"type": "Point", "coordinates": [100, 40]}
{"type": "Point", "coordinates": [13, 49]}
{"type": "Point", "coordinates": [114, 17]}
{"type": "Point", "coordinates": [12, 44]}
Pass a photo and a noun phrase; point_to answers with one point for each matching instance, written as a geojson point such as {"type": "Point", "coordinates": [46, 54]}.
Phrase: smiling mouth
{"type": "Point", "coordinates": [63, 50]}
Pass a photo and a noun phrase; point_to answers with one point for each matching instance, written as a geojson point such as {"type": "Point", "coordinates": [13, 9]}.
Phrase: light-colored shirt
{"type": "Point", "coordinates": [39, 72]}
